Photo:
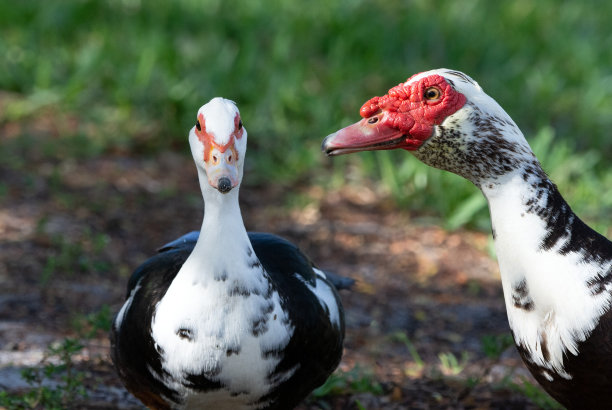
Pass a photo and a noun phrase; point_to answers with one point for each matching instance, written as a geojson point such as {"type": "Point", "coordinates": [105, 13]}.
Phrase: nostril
{"type": "Point", "coordinates": [224, 185]}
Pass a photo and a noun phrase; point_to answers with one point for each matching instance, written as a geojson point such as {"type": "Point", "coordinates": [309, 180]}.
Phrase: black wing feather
{"type": "Point", "coordinates": [131, 356]}
{"type": "Point", "coordinates": [315, 347]}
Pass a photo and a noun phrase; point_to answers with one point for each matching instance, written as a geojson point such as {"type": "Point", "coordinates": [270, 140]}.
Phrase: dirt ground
{"type": "Point", "coordinates": [71, 232]}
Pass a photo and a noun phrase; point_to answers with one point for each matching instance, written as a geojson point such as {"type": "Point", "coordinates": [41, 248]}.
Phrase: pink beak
{"type": "Point", "coordinates": [369, 134]}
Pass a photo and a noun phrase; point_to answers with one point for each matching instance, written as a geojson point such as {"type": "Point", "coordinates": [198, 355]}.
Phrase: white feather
{"type": "Point", "coordinates": [219, 114]}
{"type": "Point", "coordinates": [326, 297]}
{"type": "Point", "coordinates": [126, 306]}
{"type": "Point", "coordinates": [564, 308]}
{"type": "Point", "coordinates": [222, 343]}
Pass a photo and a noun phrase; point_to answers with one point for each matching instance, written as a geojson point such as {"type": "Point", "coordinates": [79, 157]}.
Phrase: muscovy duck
{"type": "Point", "coordinates": [556, 272]}
{"type": "Point", "coordinates": [223, 319]}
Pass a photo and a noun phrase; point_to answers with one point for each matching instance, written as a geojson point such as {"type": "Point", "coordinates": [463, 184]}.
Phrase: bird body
{"type": "Point", "coordinates": [556, 272]}
{"type": "Point", "coordinates": [226, 319]}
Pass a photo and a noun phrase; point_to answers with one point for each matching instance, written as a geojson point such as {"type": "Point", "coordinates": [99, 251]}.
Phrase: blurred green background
{"type": "Point", "coordinates": [79, 79]}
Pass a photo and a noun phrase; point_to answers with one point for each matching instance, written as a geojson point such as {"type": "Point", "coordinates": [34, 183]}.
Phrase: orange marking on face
{"type": "Point", "coordinates": [238, 129]}
{"type": "Point", "coordinates": [208, 139]}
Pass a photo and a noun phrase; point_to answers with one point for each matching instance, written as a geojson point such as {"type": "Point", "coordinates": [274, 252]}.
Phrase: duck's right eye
{"type": "Point", "coordinates": [433, 94]}
{"type": "Point", "coordinates": [198, 126]}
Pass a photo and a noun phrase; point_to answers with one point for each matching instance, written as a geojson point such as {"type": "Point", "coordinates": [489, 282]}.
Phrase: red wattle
{"type": "Point", "coordinates": [406, 109]}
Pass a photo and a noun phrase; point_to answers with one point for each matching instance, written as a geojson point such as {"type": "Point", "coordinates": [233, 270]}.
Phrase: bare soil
{"type": "Point", "coordinates": [72, 231]}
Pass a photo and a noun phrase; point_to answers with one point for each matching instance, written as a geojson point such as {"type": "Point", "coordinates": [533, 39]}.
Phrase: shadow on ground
{"type": "Point", "coordinates": [421, 322]}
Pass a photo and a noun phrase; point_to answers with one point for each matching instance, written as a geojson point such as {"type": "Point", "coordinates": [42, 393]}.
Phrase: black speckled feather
{"type": "Point", "coordinates": [555, 270]}
{"type": "Point", "coordinates": [591, 371]}
{"type": "Point", "coordinates": [133, 349]}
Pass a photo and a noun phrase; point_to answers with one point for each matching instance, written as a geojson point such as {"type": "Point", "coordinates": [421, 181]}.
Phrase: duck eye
{"type": "Point", "coordinates": [432, 94]}
{"type": "Point", "coordinates": [373, 120]}
{"type": "Point", "coordinates": [198, 126]}
{"type": "Point", "coordinates": [239, 125]}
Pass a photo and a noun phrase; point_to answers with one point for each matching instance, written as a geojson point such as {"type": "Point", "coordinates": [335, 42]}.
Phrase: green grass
{"type": "Point", "coordinates": [356, 380]}
{"type": "Point", "coordinates": [128, 76]}
{"type": "Point", "coordinates": [535, 393]}
{"type": "Point", "coordinates": [72, 257]}
{"type": "Point", "coordinates": [56, 383]}
{"type": "Point", "coordinates": [403, 338]}
{"type": "Point", "coordinates": [494, 345]}
{"type": "Point", "coordinates": [450, 365]}
{"type": "Point", "coordinates": [57, 367]}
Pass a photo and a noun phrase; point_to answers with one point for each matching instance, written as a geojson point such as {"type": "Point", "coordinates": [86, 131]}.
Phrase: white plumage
{"type": "Point", "coordinates": [223, 318]}
{"type": "Point", "coordinates": [556, 271]}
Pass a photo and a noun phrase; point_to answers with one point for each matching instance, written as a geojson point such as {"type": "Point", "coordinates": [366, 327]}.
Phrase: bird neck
{"type": "Point", "coordinates": [222, 226]}
{"type": "Point", "coordinates": [223, 249]}
{"type": "Point", "coordinates": [522, 204]}
{"type": "Point", "coordinates": [556, 272]}
{"type": "Point", "coordinates": [530, 218]}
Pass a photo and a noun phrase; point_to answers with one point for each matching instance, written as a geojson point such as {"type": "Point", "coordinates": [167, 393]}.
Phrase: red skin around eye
{"type": "Point", "coordinates": [407, 110]}
{"type": "Point", "coordinates": [208, 139]}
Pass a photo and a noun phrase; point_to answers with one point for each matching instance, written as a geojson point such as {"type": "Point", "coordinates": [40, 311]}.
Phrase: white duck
{"type": "Point", "coordinates": [556, 271]}
{"type": "Point", "coordinates": [226, 319]}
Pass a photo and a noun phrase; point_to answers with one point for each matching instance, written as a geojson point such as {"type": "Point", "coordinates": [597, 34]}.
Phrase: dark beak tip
{"type": "Point", "coordinates": [224, 185]}
{"type": "Point", "coordinates": [325, 145]}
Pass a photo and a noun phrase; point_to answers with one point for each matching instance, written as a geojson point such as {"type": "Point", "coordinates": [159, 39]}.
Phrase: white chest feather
{"type": "Point", "coordinates": [225, 326]}
{"type": "Point", "coordinates": [549, 303]}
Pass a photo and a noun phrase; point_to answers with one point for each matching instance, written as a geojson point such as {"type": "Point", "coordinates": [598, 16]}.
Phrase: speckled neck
{"type": "Point", "coordinates": [479, 146]}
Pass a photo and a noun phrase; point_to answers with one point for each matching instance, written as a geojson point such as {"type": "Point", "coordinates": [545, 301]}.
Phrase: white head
{"type": "Point", "coordinates": [446, 120]}
{"type": "Point", "coordinates": [218, 144]}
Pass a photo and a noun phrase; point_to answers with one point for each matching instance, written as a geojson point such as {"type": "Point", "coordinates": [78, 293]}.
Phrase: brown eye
{"type": "Point", "coordinates": [432, 94]}
{"type": "Point", "coordinates": [373, 120]}
{"type": "Point", "coordinates": [198, 126]}
{"type": "Point", "coordinates": [239, 125]}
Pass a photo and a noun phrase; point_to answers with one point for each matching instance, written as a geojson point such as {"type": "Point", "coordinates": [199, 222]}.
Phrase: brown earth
{"type": "Point", "coordinates": [71, 232]}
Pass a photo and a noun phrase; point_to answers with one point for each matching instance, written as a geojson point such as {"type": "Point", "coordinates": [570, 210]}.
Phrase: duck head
{"type": "Point", "coordinates": [218, 144]}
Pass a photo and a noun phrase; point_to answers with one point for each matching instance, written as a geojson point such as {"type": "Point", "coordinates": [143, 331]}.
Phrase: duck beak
{"type": "Point", "coordinates": [369, 134]}
{"type": "Point", "coordinates": [222, 169]}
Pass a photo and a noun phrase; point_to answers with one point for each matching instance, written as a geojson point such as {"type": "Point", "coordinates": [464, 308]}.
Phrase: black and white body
{"type": "Point", "coordinates": [226, 319]}
{"type": "Point", "coordinates": [556, 272]}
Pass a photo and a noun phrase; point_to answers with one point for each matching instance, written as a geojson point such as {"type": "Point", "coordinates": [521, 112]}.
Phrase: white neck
{"type": "Point", "coordinates": [517, 233]}
{"type": "Point", "coordinates": [223, 243]}
{"type": "Point", "coordinates": [223, 299]}
{"type": "Point", "coordinates": [549, 303]}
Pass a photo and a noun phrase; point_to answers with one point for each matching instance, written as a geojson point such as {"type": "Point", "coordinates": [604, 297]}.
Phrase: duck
{"type": "Point", "coordinates": [223, 318]}
{"type": "Point", "coordinates": [556, 271]}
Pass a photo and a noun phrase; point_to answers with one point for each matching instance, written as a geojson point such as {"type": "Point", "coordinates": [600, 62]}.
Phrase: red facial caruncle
{"type": "Point", "coordinates": [415, 108]}
{"type": "Point", "coordinates": [403, 118]}
{"type": "Point", "coordinates": [208, 139]}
